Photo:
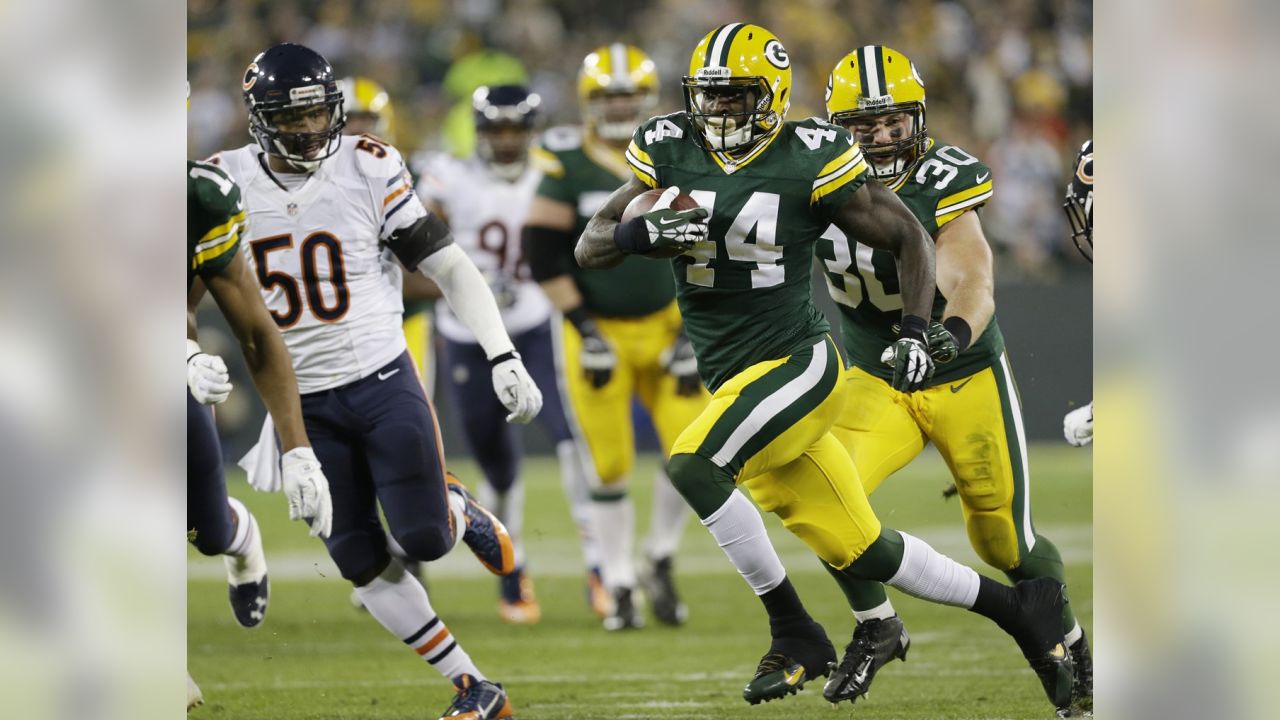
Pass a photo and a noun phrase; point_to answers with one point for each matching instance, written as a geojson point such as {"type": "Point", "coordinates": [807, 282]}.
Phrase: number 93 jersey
{"type": "Point", "coordinates": [945, 183]}
{"type": "Point", "coordinates": [316, 250]}
{"type": "Point", "coordinates": [485, 215]}
{"type": "Point", "coordinates": [746, 292]}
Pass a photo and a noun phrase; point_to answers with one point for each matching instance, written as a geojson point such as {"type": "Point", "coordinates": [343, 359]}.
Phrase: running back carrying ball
{"type": "Point", "coordinates": [646, 202]}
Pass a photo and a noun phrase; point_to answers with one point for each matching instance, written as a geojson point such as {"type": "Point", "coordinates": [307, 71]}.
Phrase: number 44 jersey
{"type": "Point", "coordinates": [485, 214]}
{"type": "Point", "coordinates": [316, 250]}
{"type": "Point", "coordinates": [945, 183]}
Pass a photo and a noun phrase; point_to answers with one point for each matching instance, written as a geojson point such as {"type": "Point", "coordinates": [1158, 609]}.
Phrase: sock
{"type": "Point", "coordinates": [667, 520]}
{"type": "Point", "coordinates": [996, 602]}
{"type": "Point", "coordinates": [1074, 635]}
{"type": "Point", "coordinates": [509, 508]}
{"type": "Point", "coordinates": [573, 478]}
{"type": "Point", "coordinates": [929, 575]}
{"type": "Point", "coordinates": [615, 515]}
{"type": "Point", "coordinates": [739, 531]}
{"type": "Point", "coordinates": [400, 604]}
{"type": "Point", "coordinates": [783, 605]}
{"type": "Point", "coordinates": [458, 508]}
{"type": "Point", "coordinates": [395, 548]}
{"type": "Point", "coordinates": [867, 598]}
{"type": "Point", "coordinates": [244, 558]}
{"type": "Point", "coordinates": [1044, 560]}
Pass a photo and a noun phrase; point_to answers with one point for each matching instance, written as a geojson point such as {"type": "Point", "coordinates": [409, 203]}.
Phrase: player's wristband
{"type": "Point", "coordinates": [913, 327]}
{"type": "Point", "coordinates": [582, 320]}
{"type": "Point", "coordinates": [632, 236]}
{"type": "Point", "coordinates": [499, 359]}
{"type": "Point", "coordinates": [193, 349]}
{"type": "Point", "coordinates": [959, 330]}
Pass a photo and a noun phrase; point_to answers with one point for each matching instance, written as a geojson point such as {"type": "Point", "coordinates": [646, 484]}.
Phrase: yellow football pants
{"type": "Point", "coordinates": [976, 424]}
{"type": "Point", "coordinates": [604, 414]}
{"type": "Point", "coordinates": [769, 426]}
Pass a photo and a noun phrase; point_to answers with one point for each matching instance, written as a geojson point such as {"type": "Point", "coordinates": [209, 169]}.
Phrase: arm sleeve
{"type": "Point", "coordinates": [469, 297]}
{"type": "Point", "coordinates": [548, 251]}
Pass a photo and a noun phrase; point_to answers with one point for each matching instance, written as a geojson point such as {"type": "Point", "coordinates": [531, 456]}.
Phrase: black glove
{"type": "Point", "coordinates": [681, 363]}
{"type": "Point", "coordinates": [942, 344]}
{"type": "Point", "coordinates": [597, 358]}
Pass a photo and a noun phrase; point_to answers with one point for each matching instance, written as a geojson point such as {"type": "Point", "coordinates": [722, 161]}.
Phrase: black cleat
{"type": "Point", "coordinates": [660, 586]}
{"type": "Point", "coordinates": [625, 615]}
{"type": "Point", "coordinates": [791, 662]}
{"type": "Point", "coordinates": [874, 644]}
{"type": "Point", "coordinates": [249, 601]}
{"type": "Point", "coordinates": [1040, 638]}
{"type": "Point", "coordinates": [1082, 688]}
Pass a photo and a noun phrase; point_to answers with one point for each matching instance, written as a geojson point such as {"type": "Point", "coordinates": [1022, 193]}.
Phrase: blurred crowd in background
{"type": "Point", "coordinates": [1009, 81]}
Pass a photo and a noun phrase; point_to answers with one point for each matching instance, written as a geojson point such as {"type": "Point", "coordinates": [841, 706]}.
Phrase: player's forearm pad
{"type": "Point", "coordinates": [959, 330]}
{"type": "Point", "coordinates": [414, 243]}
{"type": "Point", "coordinates": [548, 250]}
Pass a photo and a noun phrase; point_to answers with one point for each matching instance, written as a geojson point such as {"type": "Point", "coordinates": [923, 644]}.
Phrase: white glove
{"type": "Point", "coordinates": [207, 376]}
{"type": "Point", "coordinates": [307, 490]}
{"type": "Point", "coordinates": [1078, 426]}
{"type": "Point", "coordinates": [516, 390]}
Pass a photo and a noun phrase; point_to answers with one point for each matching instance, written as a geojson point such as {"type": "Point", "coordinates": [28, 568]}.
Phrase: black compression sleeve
{"type": "Point", "coordinates": [959, 330]}
{"type": "Point", "coordinates": [414, 243]}
{"type": "Point", "coordinates": [548, 251]}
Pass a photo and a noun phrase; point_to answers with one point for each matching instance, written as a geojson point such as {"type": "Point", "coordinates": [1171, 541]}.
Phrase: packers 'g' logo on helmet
{"type": "Point", "coordinates": [738, 88]}
{"type": "Point", "coordinates": [618, 88]}
{"type": "Point", "coordinates": [873, 84]}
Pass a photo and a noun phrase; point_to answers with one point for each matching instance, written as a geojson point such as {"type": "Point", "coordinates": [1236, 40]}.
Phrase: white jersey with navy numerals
{"type": "Point", "coordinates": [315, 249]}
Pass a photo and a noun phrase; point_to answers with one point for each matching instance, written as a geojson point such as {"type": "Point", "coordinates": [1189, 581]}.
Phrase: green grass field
{"type": "Point", "coordinates": [317, 657]}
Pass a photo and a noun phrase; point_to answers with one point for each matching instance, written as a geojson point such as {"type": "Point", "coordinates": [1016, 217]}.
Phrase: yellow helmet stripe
{"type": "Point", "coordinates": [718, 48]}
{"type": "Point", "coordinates": [618, 68]}
{"type": "Point", "coordinates": [871, 66]}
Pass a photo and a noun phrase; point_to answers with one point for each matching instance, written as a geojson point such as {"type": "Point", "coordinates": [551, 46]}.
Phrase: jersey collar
{"type": "Point", "coordinates": [729, 165]}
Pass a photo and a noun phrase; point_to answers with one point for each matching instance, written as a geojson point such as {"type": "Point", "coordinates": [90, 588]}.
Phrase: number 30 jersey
{"type": "Point", "coordinates": [316, 250]}
{"type": "Point", "coordinates": [485, 215]}
{"type": "Point", "coordinates": [945, 183]}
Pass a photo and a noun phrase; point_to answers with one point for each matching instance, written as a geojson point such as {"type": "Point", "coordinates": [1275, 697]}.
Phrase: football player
{"type": "Point", "coordinates": [322, 207]}
{"type": "Point", "coordinates": [969, 409]}
{"type": "Point", "coordinates": [766, 190]}
{"type": "Point", "coordinates": [622, 336]}
{"type": "Point", "coordinates": [218, 524]}
{"type": "Point", "coordinates": [1078, 424]}
{"type": "Point", "coordinates": [484, 199]}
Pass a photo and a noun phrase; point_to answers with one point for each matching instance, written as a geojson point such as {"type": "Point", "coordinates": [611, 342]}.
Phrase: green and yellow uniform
{"type": "Point", "coordinates": [215, 220]}
{"type": "Point", "coordinates": [633, 305]}
{"type": "Point", "coordinates": [970, 409]}
{"type": "Point", "coordinates": [763, 347]}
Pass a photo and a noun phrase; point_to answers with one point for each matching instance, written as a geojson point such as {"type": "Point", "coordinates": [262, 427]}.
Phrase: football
{"type": "Point", "coordinates": [643, 202]}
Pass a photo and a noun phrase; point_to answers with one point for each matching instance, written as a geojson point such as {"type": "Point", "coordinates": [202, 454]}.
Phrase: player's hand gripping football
{"type": "Point", "coordinates": [942, 344]}
{"type": "Point", "coordinates": [516, 390]}
{"type": "Point", "coordinates": [207, 376]}
{"type": "Point", "coordinates": [307, 490]}
{"type": "Point", "coordinates": [1078, 426]}
{"type": "Point", "coordinates": [912, 366]}
{"type": "Point", "coordinates": [681, 363]}
{"type": "Point", "coordinates": [674, 229]}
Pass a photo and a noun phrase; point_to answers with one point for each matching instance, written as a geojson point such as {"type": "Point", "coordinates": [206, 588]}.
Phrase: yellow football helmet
{"type": "Point", "coordinates": [611, 72]}
{"type": "Point", "coordinates": [738, 88]}
{"type": "Point", "coordinates": [876, 80]}
{"type": "Point", "coordinates": [368, 107]}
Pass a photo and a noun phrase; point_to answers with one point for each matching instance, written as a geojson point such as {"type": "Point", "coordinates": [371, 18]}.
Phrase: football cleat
{"type": "Point", "coordinates": [248, 586]}
{"type": "Point", "coordinates": [485, 534]}
{"type": "Point", "coordinates": [1082, 688]}
{"type": "Point", "coordinates": [518, 605]}
{"type": "Point", "coordinates": [790, 663]}
{"type": "Point", "coordinates": [874, 644]}
{"type": "Point", "coordinates": [597, 595]}
{"type": "Point", "coordinates": [660, 586]}
{"type": "Point", "coordinates": [1041, 641]}
{"type": "Point", "coordinates": [249, 602]}
{"type": "Point", "coordinates": [194, 697]}
{"type": "Point", "coordinates": [624, 615]}
{"type": "Point", "coordinates": [478, 700]}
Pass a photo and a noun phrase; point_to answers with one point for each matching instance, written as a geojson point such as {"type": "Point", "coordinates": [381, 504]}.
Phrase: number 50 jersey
{"type": "Point", "coordinates": [316, 251]}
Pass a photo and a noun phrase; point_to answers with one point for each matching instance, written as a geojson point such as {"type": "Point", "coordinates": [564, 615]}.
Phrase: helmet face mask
{"type": "Point", "coordinates": [295, 105]}
{"type": "Point", "coordinates": [1079, 202]}
{"type": "Point", "coordinates": [877, 88]}
{"type": "Point", "coordinates": [737, 90]}
{"type": "Point", "coordinates": [505, 117]}
{"type": "Point", "coordinates": [732, 113]}
{"type": "Point", "coordinates": [617, 90]}
{"type": "Point", "coordinates": [614, 116]}
{"type": "Point", "coordinates": [908, 136]}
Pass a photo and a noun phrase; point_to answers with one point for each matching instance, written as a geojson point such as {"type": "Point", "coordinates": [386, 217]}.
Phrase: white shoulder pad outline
{"type": "Point", "coordinates": [240, 163]}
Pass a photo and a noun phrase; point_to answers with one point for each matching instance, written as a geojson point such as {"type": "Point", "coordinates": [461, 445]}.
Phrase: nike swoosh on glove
{"type": "Point", "coordinates": [207, 378]}
{"type": "Point", "coordinates": [307, 490]}
{"type": "Point", "coordinates": [516, 390]}
{"type": "Point", "coordinates": [675, 229]}
{"type": "Point", "coordinates": [912, 366]}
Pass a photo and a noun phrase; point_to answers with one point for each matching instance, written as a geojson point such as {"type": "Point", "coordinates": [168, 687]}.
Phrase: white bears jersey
{"type": "Point", "coordinates": [485, 215]}
{"type": "Point", "coordinates": [316, 252]}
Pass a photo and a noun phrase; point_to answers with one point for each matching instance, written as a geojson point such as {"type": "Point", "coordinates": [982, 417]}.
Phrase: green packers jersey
{"type": "Point", "coordinates": [745, 292]}
{"type": "Point", "coordinates": [215, 219]}
{"type": "Point", "coordinates": [584, 173]}
{"type": "Point", "coordinates": [946, 182]}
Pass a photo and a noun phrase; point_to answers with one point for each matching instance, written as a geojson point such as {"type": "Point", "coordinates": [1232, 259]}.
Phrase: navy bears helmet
{"type": "Point", "coordinates": [505, 116]}
{"type": "Point", "coordinates": [282, 82]}
{"type": "Point", "coordinates": [1079, 202]}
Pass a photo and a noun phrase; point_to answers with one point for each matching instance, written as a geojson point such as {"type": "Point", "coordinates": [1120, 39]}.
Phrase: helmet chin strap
{"type": "Point", "coordinates": [507, 171]}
